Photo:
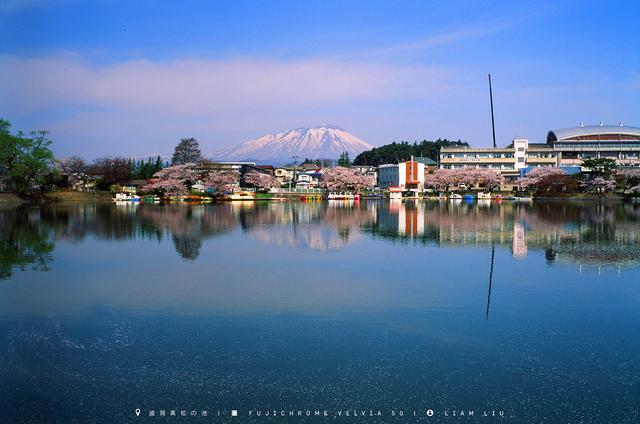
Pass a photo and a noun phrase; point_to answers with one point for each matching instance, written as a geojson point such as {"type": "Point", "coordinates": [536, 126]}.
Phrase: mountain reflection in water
{"type": "Point", "coordinates": [583, 233]}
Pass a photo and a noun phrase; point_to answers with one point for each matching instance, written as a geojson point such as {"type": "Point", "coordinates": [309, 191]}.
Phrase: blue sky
{"type": "Point", "coordinates": [132, 78]}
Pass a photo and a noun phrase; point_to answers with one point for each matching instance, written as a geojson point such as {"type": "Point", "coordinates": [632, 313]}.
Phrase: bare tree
{"type": "Point", "coordinates": [71, 165]}
{"type": "Point", "coordinates": [187, 151]}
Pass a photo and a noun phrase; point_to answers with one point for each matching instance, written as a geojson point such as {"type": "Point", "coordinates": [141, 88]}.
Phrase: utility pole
{"type": "Point", "coordinates": [493, 124]}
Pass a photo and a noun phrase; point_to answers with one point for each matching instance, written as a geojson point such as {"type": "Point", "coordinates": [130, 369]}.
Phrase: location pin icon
{"type": "Point", "coordinates": [137, 411]}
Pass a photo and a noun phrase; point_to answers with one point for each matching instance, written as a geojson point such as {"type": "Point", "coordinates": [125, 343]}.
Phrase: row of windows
{"type": "Point", "coordinates": [487, 166]}
{"type": "Point", "coordinates": [477, 155]}
{"type": "Point", "coordinates": [596, 145]}
{"type": "Point", "coordinates": [542, 155]}
{"type": "Point", "coordinates": [605, 137]}
{"type": "Point", "coordinates": [589, 155]}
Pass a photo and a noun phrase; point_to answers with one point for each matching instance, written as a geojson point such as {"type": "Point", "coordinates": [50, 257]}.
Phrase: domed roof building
{"type": "Point", "coordinates": [618, 142]}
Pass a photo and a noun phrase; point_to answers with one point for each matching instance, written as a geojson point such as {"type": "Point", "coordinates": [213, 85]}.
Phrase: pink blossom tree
{"type": "Point", "coordinates": [599, 185]}
{"type": "Point", "coordinates": [172, 181]}
{"type": "Point", "coordinates": [445, 179]}
{"type": "Point", "coordinates": [487, 178]}
{"type": "Point", "coordinates": [344, 179]}
{"type": "Point", "coordinates": [628, 178]}
{"type": "Point", "coordinates": [221, 181]}
{"type": "Point", "coordinates": [261, 180]}
{"type": "Point", "coordinates": [437, 180]}
{"type": "Point", "coordinates": [633, 191]}
{"type": "Point", "coordinates": [539, 175]}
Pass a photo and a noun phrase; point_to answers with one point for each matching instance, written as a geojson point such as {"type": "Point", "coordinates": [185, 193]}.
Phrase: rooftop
{"type": "Point", "coordinates": [585, 130]}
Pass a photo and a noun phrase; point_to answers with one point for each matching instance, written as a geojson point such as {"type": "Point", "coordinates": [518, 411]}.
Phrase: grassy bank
{"type": "Point", "coordinates": [10, 199]}
{"type": "Point", "coordinates": [581, 196]}
{"type": "Point", "coordinates": [77, 196]}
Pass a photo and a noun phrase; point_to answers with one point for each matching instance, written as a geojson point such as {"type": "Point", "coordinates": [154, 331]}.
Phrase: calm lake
{"type": "Point", "coordinates": [367, 312]}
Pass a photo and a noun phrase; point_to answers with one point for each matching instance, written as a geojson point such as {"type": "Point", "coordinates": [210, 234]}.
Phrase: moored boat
{"type": "Point", "coordinates": [523, 198]}
{"type": "Point", "coordinates": [191, 199]}
{"type": "Point", "coordinates": [126, 197]}
{"type": "Point", "coordinates": [341, 196]}
{"type": "Point", "coordinates": [519, 198]}
{"type": "Point", "coordinates": [151, 199]}
{"type": "Point", "coordinates": [455, 196]}
{"type": "Point", "coordinates": [237, 195]}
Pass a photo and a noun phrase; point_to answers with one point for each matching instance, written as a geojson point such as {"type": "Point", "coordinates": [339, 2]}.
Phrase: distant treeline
{"type": "Point", "coordinates": [398, 152]}
{"type": "Point", "coordinates": [108, 170]}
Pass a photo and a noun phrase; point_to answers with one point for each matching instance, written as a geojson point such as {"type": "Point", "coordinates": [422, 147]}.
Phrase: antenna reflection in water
{"type": "Point", "coordinates": [493, 252]}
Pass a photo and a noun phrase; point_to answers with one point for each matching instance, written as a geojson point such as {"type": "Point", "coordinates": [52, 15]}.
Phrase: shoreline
{"type": "Point", "coordinates": [63, 196]}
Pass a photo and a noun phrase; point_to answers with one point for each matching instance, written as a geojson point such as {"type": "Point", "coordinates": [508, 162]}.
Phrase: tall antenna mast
{"type": "Point", "coordinates": [493, 124]}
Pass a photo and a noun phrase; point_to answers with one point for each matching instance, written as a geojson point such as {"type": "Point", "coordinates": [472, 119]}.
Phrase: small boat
{"type": "Point", "coordinates": [523, 198]}
{"type": "Point", "coordinates": [468, 197]}
{"type": "Point", "coordinates": [519, 198]}
{"type": "Point", "coordinates": [341, 196]}
{"type": "Point", "coordinates": [484, 196]}
{"type": "Point", "coordinates": [126, 197]}
{"type": "Point", "coordinates": [238, 195]}
{"type": "Point", "coordinates": [455, 196]}
{"type": "Point", "coordinates": [192, 199]}
{"type": "Point", "coordinates": [151, 199]}
{"type": "Point", "coordinates": [497, 197]}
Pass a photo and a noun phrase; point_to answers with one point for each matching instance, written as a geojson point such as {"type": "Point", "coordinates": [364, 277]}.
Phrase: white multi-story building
{"type": "Point", "coordinates": [567, 147]}
{"type": "Point", "coordinates": [507, 160]}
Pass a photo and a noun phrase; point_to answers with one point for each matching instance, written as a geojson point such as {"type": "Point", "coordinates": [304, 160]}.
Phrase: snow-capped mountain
{"type": "Point", "coordinates": [321, 142]}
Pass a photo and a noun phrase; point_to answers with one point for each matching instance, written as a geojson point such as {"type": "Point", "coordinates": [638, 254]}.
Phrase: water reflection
{"type": "Point", "coordinates": [309, 226]}
{"type": "Point", "coordinates": [583, 233]}
{"type": "Point", "coordinates": [25, 240]}
{"type": "Point", "coordinates": [320, 305]}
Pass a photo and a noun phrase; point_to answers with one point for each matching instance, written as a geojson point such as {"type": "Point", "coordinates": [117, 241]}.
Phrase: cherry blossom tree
{"type": "Point", "coordinates": [221, 181]}
{"type": "Point", "coordinates": [634, 191]}
{"type": "Point", "coordinates": [344, 179]}
{"type": "Point", "coordinates": [539, 175]}
{"type": "Point", "coordinates": [261, 180]}
{"type": "Point", "coordinates": [488, 178]}
{"type": "Point", "coordinates": [437, 179]}
{"type": "Point", "coordinates": [445, 179]}
{"type": "Point", "coordinates": [628, 178]}
{"type": "Point", "coordinates": [172, 181]}
{"type": "Point", "coordinates": [599, 185]}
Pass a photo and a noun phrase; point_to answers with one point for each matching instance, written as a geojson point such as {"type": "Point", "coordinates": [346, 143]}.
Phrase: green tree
{"type": "Point", "coordinates": [344, 160]}
{"type": "Point", "coordinates": [603, 167]}
{"type": "Point", "coordinates": [25, 162]}
{"type": "Point", "coordinates": [187, 151]}
{"type": "Point", "coordinates": [398, 152]}
{"type": "Point", "coordinates": [143, 170]}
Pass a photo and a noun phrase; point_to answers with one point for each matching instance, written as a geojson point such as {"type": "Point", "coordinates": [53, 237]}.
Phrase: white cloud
{"type": "Point", "coordinates": [201, 86]}
{"type": "Point", "coordinates": [94, 107]}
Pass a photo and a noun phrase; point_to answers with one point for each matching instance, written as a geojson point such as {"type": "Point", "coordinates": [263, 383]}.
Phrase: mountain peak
{"type": "Point", "coordinates": [328, 126]}
{"type": "Point", "coordinates": [325, 141]}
